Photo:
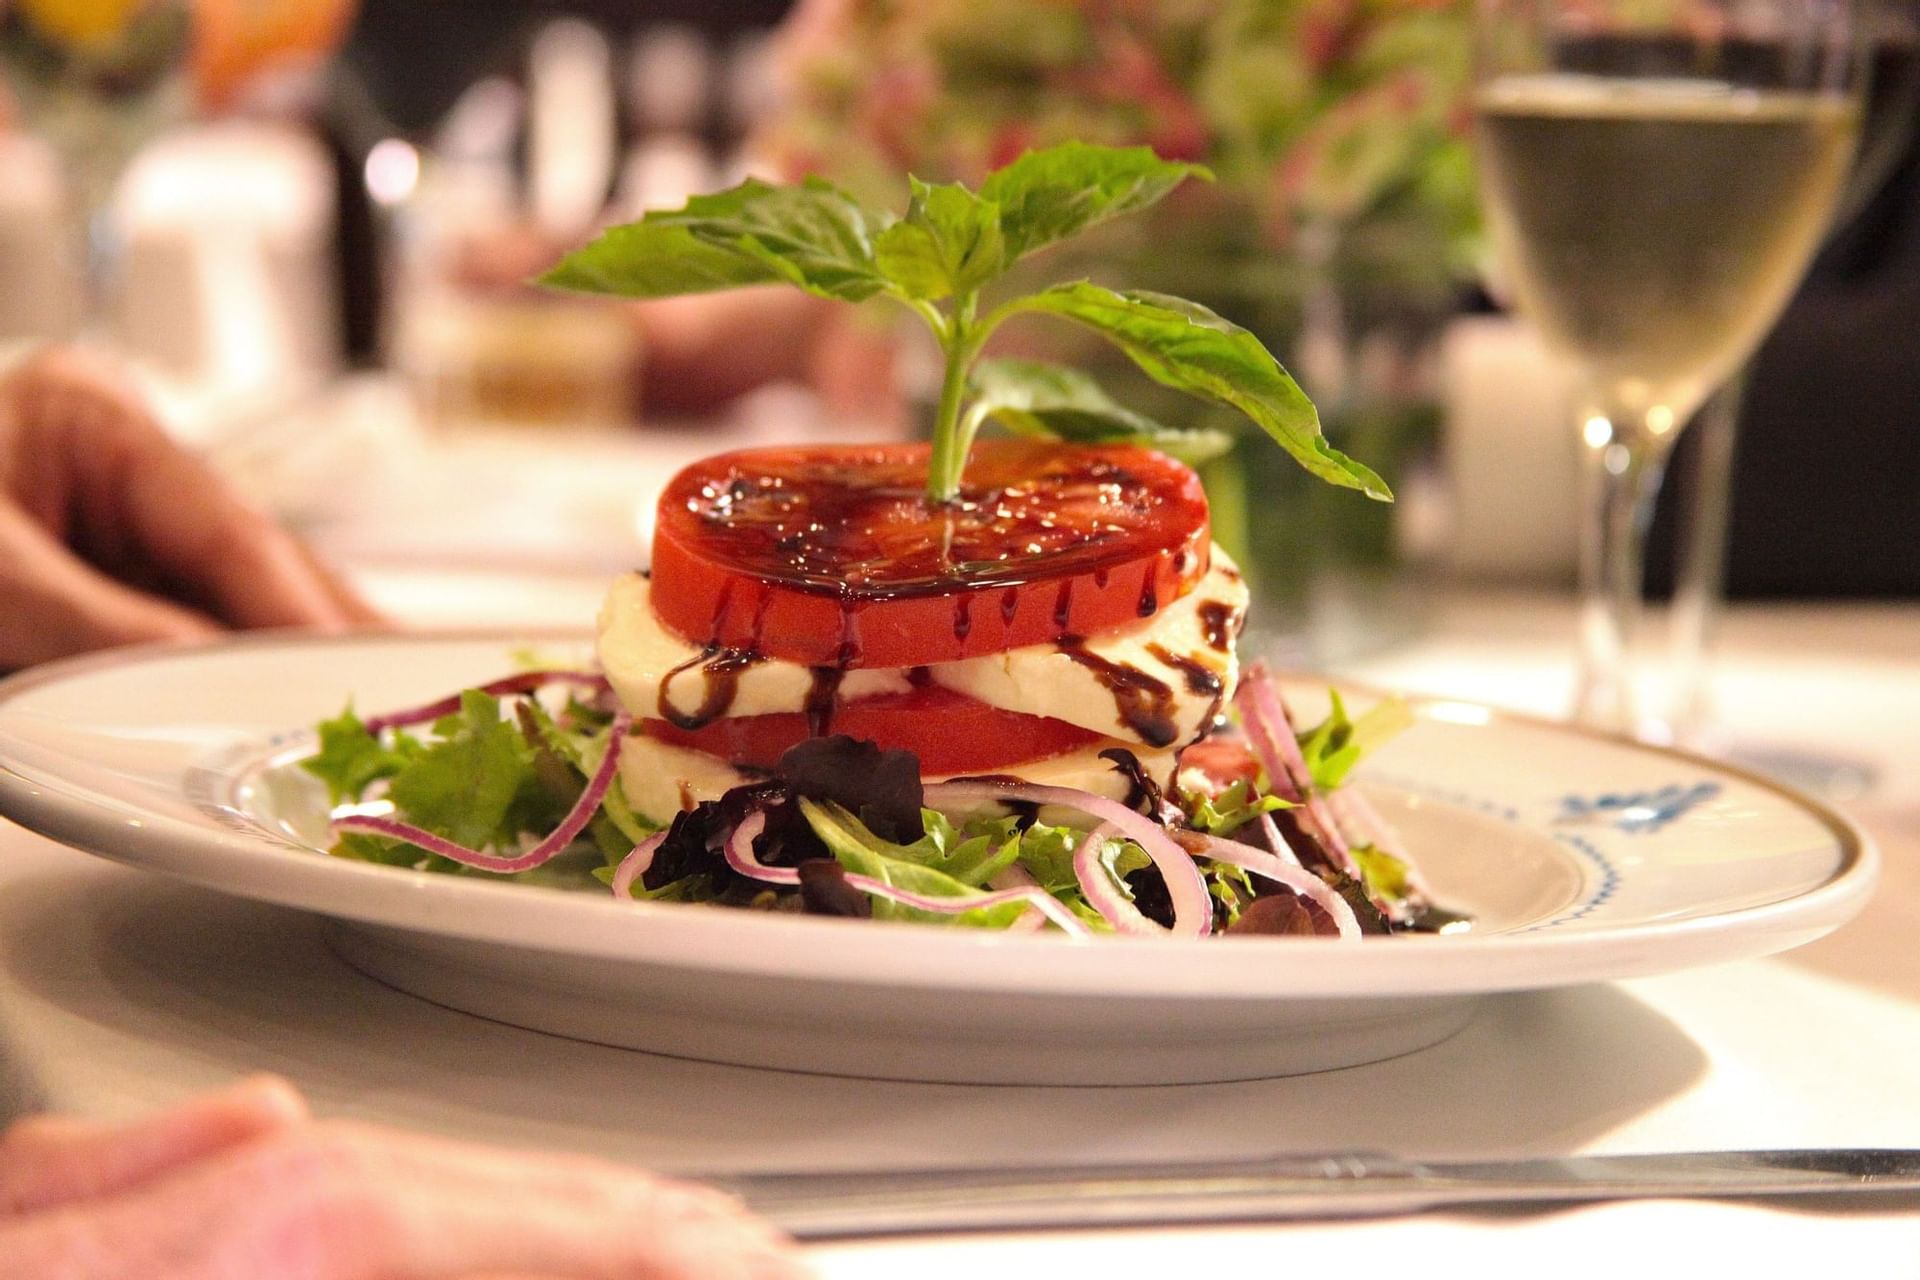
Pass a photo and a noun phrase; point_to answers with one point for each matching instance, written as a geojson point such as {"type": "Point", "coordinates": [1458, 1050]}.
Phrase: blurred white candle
{"type": "Point", "coordinates": [1510, 460]}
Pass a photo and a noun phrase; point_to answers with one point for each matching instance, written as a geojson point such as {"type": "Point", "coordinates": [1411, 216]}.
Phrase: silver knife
{"type": "Point", "coordinates": [908, 1201]}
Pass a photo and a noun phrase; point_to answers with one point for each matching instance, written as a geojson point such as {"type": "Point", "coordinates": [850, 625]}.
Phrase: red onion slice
{"type": "Point", "coordinates": [1039, 899]}
{"type": "Point", "coordinates": [1301, 881]}
{"type": "Point", "coordinates": [739, 855]}
{"type": "Point", "coordinates": [1270, 732]}
{"type": "Point", "coordinates": [1192, 904]}
{"type": "Point", "coordinates": [525, 682]}
{"type": "Point", "coordinates": [1098, 884]}
{"type": "Point", "coordinates": [1278, 843]}
{"type": "Point", "coordinates": [635, 865]}
{"type": "Point", "coordinates": [1015, 876]}
{"type": "Point", "coordinates": [1363, 825]}
{"type": "Point", "coordinates": [563, 835]}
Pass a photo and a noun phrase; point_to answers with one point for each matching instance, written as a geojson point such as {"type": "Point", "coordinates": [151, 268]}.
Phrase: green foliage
{"type": "Point", "coordinates": [938, 259]}
{"type": "Point", "coordinates": [1332, 747]}
{"type": "Point", "coordinates": [1056, 402]}
{"type": "Point", "coordinates": [1183, 345]}
{"type": "Point", "coordinates": [1232, 809]}
{"type": "Point", "coordinates": [350, 759]}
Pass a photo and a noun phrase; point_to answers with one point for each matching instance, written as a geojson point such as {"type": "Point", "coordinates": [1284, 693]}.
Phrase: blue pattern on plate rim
{"type": "Point", "coordinates": [1637, 812]}
{"type": "Point", "coordinates": [1603, 879]}
{"type": "Point", "coordinates": [1609, 881]}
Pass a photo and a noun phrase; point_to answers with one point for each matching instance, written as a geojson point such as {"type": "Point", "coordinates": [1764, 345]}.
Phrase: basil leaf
{"type": "Point", "coordinates": [1055, 402]}
{"type": "Point", "coordinates": [1183, 345]}
{"type": "Point", "coordinates": [813, 236]}
{"type": "Point", "coordinates": [948, 243]}
{"type": "Point", "coordinates": [1048, 195]}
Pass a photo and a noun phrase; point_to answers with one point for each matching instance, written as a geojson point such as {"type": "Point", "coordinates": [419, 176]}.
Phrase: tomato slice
{"type": "Point", "coordinates": [950, 732]}
{"type": "Point", "coordinates": [1222, 761]}
{"type": "Point", "coordinates": [832, 556]}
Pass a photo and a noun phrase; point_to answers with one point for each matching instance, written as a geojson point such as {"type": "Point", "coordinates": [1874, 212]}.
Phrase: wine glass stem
{"type": "Point", "coordinates": [1621, 468]}
{"type": "Point", "coordinates": [96, 248]}
{"type": "Point", "coordinates": [1700, 576]}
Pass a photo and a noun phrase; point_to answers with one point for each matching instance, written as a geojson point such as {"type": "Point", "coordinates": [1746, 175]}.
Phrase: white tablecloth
{"type": "Point", "coordinates": [119, 991]}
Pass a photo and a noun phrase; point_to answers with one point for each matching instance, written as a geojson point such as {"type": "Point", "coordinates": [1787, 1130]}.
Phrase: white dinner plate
{"type": "Point", "coordinates": [1581, 858]}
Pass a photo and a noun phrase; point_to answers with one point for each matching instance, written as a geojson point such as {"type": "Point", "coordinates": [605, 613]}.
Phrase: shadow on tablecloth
{"type": "Point", "coordinates": [192, 987]}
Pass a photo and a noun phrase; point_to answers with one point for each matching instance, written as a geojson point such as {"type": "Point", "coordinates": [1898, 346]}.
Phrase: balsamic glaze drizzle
{"type": "Point", "coordinates": [1145, 702]}
{"type": "Point", "coordinates": [720, 672]}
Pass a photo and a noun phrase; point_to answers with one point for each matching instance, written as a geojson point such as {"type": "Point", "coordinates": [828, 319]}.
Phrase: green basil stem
{"type": "Point", "coordinates": [961, 340]}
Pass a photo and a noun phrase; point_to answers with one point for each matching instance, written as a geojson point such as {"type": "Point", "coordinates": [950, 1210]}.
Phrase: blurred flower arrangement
{"type": "Point", "coordinates": [1337, 127]}
{"type": "Point", "coordinates": [1342, 228]}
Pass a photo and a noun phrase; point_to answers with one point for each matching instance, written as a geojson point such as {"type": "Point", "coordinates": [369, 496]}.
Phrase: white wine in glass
{"type": "Point", "coordinates": [1655, 187]}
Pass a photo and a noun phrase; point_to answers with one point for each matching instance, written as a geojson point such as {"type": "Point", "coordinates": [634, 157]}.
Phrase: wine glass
{"type": "Point", "coordinates": [98, 79]}
{"type": "Point", "coordinates": [1657, 175]}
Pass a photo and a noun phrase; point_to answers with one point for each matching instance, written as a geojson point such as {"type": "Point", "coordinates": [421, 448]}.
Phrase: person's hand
{"type": "Point", "coordinates": [243, 1185]}
{"type": "Point", "coordinates": [111, 534]}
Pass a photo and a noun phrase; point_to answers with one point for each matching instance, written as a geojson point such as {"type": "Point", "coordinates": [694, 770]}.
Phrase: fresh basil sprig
{"type": "Point", "coordinates": [940, 258]}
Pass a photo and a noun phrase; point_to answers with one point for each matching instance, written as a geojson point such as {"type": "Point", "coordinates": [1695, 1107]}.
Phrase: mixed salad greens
{"type": "Point", "coordinates": [1262, 834]}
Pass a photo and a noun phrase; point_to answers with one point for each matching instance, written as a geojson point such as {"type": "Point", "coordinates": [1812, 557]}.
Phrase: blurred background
{"type": "Point", "coordinates": [308, 224]}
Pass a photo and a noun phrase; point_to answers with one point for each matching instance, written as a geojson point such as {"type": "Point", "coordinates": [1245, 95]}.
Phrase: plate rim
{"type": "Point", "coordinates": [1742, 932]}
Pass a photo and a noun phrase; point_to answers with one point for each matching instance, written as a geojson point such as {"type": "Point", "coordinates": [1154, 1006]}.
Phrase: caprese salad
{"type": "Point", "coordinates": [990, 683]}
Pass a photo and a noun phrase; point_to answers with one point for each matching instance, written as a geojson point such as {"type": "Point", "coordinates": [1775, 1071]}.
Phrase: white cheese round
{"type": "Point", "coordinates": [643, 660]}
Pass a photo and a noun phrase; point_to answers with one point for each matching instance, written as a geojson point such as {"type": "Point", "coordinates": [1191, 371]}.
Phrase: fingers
{"type": "Point", "coordinates": [348, 1202]}
{"type": "Point", "coordinates": [46, 1161]}
{"type": "Point", "coordinates": [56, 604]}
{"type": "Point", "coordinates": [138, 499]}
{"type": "Point", "coordinates": [354, 606]}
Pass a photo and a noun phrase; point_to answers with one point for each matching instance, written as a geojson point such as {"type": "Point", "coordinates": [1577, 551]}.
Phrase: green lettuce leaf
{"type": "Point", "coordinates": [464, 786]}
{"type": "Point", "coordinates": [1046, 854]}
{"type": "Point", "coordinates": [1334, 746]}
{"type": "Point", "coordinates": [1052, 194]}
{"type": "Point", "coordinates": [1384, 875]}
{"type": "Point", "coordinates": [973, 855]}
{"type": "Point", "coordinates": [350, 759]}
{"type": "Point", "coordinates": [1055, 402]}
{"type": "Point", "coordinates": [617, 827]}
{"type": "Point", "coordinates": [863, 853]}
{"type": "Point", "coordinates": [1185, 346]}
{"type": "Point", "coordinates": [1232, 809]}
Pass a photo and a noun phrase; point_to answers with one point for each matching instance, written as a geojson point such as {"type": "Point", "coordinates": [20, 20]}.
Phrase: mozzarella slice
{"type": "Point", "coordinates": [644, 661]}
{"type": "Point", "coordinates": [1158, 684]}
{"type": "Point", "coordinates": [1155, 685]}
{"type": "Point", "coordinates": [660, 779]}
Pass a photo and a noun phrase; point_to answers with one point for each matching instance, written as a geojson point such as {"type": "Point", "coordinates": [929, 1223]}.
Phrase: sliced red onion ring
{"type": "Point", "coordinates": [739, 855]}
{"type": "Point", "coordinates": [525, 682]}
{"type": "Point", "coordinates": [1270, 732]}
{"type": "Point", "coordinates": [1192, 904]}
{"type": "Point", "coordinates": [1016, 876]}
{"type": "Point", "coordinates": [1097, 883]}
{"type": "Point", "coordinates": [635, 865]}
{"type": "Point", "coordinates": [1362, 824]}
{"type": "Point", "coordinates": [1301, 881]}
{"type": "Point", "coordinates": [1039, 899]}
{"type": "Point", "coordinates": [1277, 842]}
{"type": "Point", "coordinates": [563, 835]}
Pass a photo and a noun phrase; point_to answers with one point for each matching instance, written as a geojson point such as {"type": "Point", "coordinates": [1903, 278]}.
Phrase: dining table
{"type": "Point", "coordinates": [123, 991]}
